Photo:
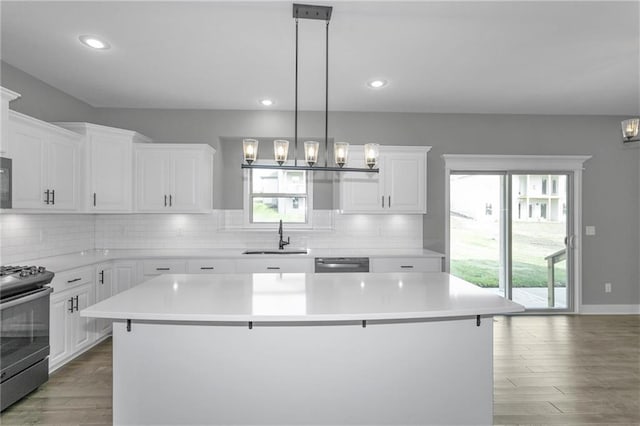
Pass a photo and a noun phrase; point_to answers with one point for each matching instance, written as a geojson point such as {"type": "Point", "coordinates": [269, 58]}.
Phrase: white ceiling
{"type": "Point", "coordinates": [443, 57]}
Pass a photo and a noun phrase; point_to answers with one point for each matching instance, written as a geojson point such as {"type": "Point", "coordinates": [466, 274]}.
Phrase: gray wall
{"type": "Point", "coordinates": [41, 100]}
{"type": "Point", "coordinates": [611, 178]}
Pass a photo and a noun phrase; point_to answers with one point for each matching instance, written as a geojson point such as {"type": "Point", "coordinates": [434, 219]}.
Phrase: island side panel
{"type": "Point", "coordinates": [436, 372]}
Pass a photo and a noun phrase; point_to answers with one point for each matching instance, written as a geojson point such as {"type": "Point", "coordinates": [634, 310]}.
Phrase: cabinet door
{"type": "Point", "coordinates": [360, 192]}
{"type": "Point", "coordinates": [185, 182]}
{"type": "Point", "coordinates": [59, 331]}
{"type": "Point", "coordinates": [83, 328]}
{"type": "Point", "coordinates": [28, 167]}
{"type": "Point", "coordinates": [63, 167]}
{"type": "Point", "coordinates": [153, 172]}
{"type": "Point", "coordinates": [110, 171]}
{"type": "Point", "coordinates": [405, 182]}
{"type": "Point", "coordinates": [104, 289]}
{"type": "Point", "coordinates": [124, 276]}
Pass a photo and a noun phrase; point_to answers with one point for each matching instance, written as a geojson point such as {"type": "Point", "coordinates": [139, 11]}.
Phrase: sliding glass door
{"type": "Point", "coordinates": [509, 233]}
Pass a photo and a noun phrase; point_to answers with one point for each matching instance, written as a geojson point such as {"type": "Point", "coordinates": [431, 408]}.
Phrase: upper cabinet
{"type": "Point", "coordinates": [46, 164]}
{"type": "Point", "coordinates": [6, 96]}
{"type": "Point", "coordinates": [108, 166]}
{"type": "Point", "coordinates": [172, 178]}
{"type": "Point", "coordinates": [399, 187]}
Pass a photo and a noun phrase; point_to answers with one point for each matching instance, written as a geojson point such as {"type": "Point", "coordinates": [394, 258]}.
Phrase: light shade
{"type": "Point", "coordinates": [280, 150]}
{"type": "Point", "coordinates": [371, 152]}
{"type": "Point", "coordinates": [341, 153]}
{"type": "Point", "coordinates": [311, 152]}
{"type": "Point", "coordinates": [250, 150]}
{"type": "Point", "coordinates": [630, 129]}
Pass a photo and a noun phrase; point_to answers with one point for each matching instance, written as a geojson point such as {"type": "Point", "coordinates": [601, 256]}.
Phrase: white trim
{"type": "Point", "coordinates": [8, 95]}
{"type": "Point", "coordinates": [506, 163]}
{"type": "Point", "coordinates": [463, 162]}
{"type": "Point", "coordinates": [610, 309]}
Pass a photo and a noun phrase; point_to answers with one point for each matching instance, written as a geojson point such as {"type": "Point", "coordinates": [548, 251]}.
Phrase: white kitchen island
{"type": "Point", "coordinates": [303, 349]}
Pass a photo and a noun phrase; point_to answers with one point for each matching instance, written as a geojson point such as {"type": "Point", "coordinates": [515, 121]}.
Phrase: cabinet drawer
{"type": "Point", "coordinates": [411, 264]}
{"type": "Point", "coordinates": [274, 265]}
{"type": "Point", "coordinates": [164, 266]}
{"type": "Point", "coordinates": [72, 278]}
{"type": "Point", "coordinates": [211, 266]}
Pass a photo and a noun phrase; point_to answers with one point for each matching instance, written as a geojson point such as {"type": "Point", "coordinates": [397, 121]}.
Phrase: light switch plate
{"type": "Point", "coordinates": [590, 230]}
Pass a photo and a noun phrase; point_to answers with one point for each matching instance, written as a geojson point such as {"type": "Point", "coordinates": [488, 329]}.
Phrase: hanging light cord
{"type": "Point", "coordinates": [295, 119]}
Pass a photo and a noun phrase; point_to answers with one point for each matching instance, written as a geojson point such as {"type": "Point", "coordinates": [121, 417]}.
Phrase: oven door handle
{"type": "Point", "coordinates": [45, 291]}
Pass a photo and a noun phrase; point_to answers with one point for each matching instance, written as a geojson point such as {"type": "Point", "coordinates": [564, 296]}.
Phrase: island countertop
{"type": "Point", "coordinates": [301, 298]}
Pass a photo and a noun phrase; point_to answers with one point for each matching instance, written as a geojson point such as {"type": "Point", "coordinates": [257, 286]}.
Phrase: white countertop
{"type": "Point", "coordinates": [92, 257]}
{"type": "Point", "coordinates": [301, 298]}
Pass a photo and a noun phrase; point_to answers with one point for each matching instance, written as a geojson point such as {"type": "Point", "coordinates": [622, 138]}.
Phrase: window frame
{"type": "Point", "coordinates": [247, 205]}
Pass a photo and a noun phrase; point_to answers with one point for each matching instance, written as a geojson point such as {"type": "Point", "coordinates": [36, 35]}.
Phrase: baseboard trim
{"type": "Point", "coordinates": [610, 309]}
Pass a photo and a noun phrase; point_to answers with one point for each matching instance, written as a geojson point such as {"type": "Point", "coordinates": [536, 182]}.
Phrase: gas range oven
{"type": "Point", "coordinates": [24, 331]}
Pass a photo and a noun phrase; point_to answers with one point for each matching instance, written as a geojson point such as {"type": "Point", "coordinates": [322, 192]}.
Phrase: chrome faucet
{"type": "Point", "coordinates": [282, 242]}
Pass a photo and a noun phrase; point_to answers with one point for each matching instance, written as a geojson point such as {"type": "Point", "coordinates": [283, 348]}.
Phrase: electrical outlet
{"type": "Point", "coordinates": [607, 287]}
{"type": "Point", "coordinates": [590, 230]}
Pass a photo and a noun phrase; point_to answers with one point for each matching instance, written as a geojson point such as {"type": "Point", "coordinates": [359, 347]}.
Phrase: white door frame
{"type": "Point", "coordinates": [531, 163]}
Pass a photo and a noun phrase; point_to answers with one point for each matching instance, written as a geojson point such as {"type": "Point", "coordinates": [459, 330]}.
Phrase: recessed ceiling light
{"type": "Point", "coordinates": [94, 42]}
{"type": "Point", "coordinates": [377, 84]}
{"type": "Point", "coordinates": [266, 102]}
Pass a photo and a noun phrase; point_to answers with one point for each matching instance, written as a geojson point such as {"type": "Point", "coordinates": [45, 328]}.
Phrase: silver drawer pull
{"type": "Point", "coordinates": [406, 266]}
{"type": "Point", "coordinates": [73, 280]}
{"type": "Point", "coordinates": [273, 267]}
{"type": "Point", "coordinates": [163, 269]}
{"type": "Point", "coordinates": [206, 268]}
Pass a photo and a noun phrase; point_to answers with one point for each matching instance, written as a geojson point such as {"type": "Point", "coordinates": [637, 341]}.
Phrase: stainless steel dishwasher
{"type": "Point", "coordinates": [341, 264]}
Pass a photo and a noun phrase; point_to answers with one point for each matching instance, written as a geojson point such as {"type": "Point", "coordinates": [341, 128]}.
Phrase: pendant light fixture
{"type": "Point", "coordinates": [311, 148]}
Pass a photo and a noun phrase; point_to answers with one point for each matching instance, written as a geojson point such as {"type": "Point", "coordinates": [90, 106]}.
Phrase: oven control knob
{"type": "Point", "coordinates": [41, 269]}
{"type": "Point", "coordinates": [24, 273]}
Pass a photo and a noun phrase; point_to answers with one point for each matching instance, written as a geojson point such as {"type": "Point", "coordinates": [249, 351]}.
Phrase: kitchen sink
{"type": "Point", "coordinates": [290, 251]}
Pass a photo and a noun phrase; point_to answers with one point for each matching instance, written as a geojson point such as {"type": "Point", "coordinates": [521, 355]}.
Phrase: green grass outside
{"type": "Point", "coordinates": [475, 252]}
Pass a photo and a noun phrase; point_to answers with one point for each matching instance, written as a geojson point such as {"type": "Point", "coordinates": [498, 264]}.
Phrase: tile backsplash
{"type": "Point", "coordinates": [28, 236]}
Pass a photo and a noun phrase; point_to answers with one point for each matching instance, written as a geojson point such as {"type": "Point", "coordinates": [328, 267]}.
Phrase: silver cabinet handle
{"type": "Point", "coordinates": [382, 201]}
{"type": "Point", "coordinates": [73, 280]}
{"type": "Point", "coordinates": [406, 266]}
{"type": "Point", "coordinates": [94, 199]}
{"type": "Point", "coordinates": [170, 200]}
{"type": "Point", "coordinates": [165, 201]}
{"type": "Point", "coordinates": [389, 201]}
{"type": "Point", "coordinates": [47, 194]}
{"type": "Point", "coordinates": [163, 269]}
{"type": "Point", "coordinates": [71, 307]}
{"type": "Point", "coordinates": [53, 196]}
{"type": "Point", "coordinates": [206, 268]}
{"type": "Point", "coordinates": [273, 267]}
{"type": "Point", "coordinates": [76, 299]}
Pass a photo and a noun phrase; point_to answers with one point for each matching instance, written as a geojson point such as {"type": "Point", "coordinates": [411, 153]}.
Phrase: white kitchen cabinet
{"type": "Point", "coordinates": [155, 267]}
{"type": "Point", "coordinates": [104, 290]}
{"type": "Point", "coordinates": [70, 334]}
{"type": "Point", "coordinates": [399, 187]}
{"type": "Point", "coordinates": [406, 264]}
{"type": "Point", "coordinates": [278, 265]}
{"type": "Point", "coordinates": [173, 178]}
{"type": "Point", "coordinates": [125, 275]}
{"type": "Point", "coordinates": [108, 166]}
{"type": "Point", "coordinates": [46, 165]}
{"type": "Point", "coordinates": [211, 266]}
{"type": "Point", "coordinates": [6, 96]}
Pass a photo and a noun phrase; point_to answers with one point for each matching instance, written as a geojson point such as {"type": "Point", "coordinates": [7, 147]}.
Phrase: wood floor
{"type": "Point", "coordinates": [549, 370]}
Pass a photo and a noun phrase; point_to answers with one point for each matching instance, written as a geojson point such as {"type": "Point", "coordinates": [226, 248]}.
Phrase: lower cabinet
{"type": "Point", "coordinates": [104, 290]}
{"type": "Point", "coordinates": [406, 264]}
{"type": "Point", "coordinates": [125, 275]}
{"type": "Point", "coordinates": [211, 266]}
{"type": "Point", "coordinates": [154, 267]}
{"type": "Point", "coordinates": [70, 333]}
{"type": "Point", "coordinates": [274, 265]}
